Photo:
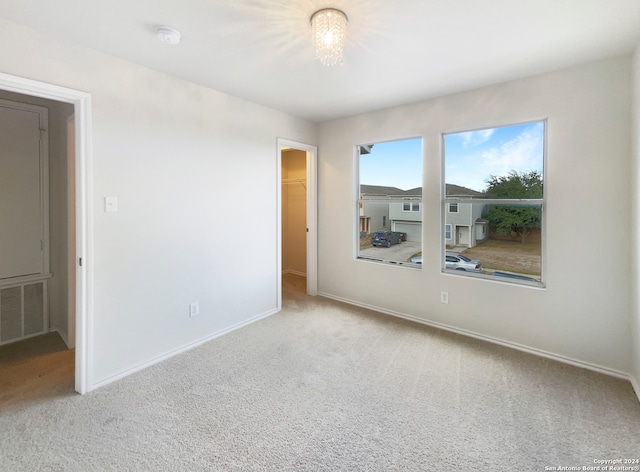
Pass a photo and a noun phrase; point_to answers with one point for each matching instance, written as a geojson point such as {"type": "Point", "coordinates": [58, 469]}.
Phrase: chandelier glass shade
{"type": "Point", "coordinates": [328, 29]}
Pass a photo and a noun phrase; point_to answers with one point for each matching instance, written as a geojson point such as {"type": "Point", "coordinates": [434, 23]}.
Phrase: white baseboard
{"type": "Point", "coordinates": [23, 338]}
{"type": "Point", "coordinates": [63, 335]}
{"type": "Point", "coordinates": [501, 342]}
{"type": "Point", "coordinates": [636, 386]}
{"type": "Point", "coordinates": [174, 352]}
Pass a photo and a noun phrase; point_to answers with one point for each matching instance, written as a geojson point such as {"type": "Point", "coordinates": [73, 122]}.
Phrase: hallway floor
{"type": "Point", "coordinates": [36, 368]}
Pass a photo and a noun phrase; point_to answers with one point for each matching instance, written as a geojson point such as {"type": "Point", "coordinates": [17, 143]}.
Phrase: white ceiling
{"type": "Point", "coordinates": [397, 51]}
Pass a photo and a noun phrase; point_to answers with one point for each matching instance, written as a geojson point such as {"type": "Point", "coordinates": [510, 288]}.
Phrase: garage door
{"type": "Point", "coordinates": [413, 230]}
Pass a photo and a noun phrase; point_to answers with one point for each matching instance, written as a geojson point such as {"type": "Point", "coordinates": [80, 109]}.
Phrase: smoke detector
{"type": "Point", "coordinates": [168, 35]}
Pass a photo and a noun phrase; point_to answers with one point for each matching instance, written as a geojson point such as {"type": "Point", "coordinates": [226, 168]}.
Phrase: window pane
{"type": "Point", "coordinates": [512, 250]}
{"type": "Point", "coordinates": [482, 168]}
{"type": "Point", "coordinates": [482, 163]}
{"type": "Point", "coordinates": [390, 192]}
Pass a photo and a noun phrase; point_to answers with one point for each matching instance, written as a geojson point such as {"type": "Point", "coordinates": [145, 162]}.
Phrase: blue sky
{"type": "Point", "coordinates": [471, 157]}
{"type": "Point", "coordinates": [393, 164]}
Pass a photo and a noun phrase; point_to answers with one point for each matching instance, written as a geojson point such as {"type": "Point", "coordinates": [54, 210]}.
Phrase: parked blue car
{"type": "Point", "coordinates": [403, 236]}
{"type": "Point", "coordinates": [385, 238]}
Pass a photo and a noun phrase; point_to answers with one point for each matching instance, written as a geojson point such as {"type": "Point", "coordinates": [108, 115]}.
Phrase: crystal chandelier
{"type": "Point", "coordinates": [328, 27]}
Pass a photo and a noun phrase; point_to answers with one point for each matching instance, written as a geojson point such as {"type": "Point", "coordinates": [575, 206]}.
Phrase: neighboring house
{"type": "Point", "coordinates": [464, 225]}
{"type": "Point", "coordinates": [374, 214]}
{"type": "Point", "coordinates": [406, 216]}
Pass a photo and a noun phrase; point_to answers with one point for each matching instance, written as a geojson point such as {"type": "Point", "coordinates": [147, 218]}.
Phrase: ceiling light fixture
{"type": "Point", "coordinates": [328, 29]}
{"type": "Point", "coordinates": [168, 35]}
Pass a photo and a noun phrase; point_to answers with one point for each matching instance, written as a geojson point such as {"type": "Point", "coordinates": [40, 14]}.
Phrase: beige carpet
{"type": "Point", "coordinates": [324, 386]}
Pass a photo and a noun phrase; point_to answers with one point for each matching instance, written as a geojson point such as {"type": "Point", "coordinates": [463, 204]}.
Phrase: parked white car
{"type": "Point", "coordinates": [456, 261]}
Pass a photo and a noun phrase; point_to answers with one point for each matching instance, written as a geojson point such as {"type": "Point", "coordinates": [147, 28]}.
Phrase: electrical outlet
{"type": "Point", "coordinates": [444, 297]}
{"type": "Point", "coordinates": [194, 309]}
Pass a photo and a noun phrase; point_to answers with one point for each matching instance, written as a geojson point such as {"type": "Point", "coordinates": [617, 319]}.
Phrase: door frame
{"type": "Point", "coordinates": [71, 233]}
{"type": "Point", "coordinates": [81, 102]}
{"type": "Point", "coordinates": [312, 214]}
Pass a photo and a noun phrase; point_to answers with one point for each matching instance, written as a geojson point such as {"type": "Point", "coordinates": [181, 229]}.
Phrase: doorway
{"type": "Point", "coordinates": [297, 238]}
{"type": "Point", "coordinates": [69, 102]}
{"type": "Point", "coordinates": [294, 220]}
{"type": "Point", "coordinates": [25, 206]}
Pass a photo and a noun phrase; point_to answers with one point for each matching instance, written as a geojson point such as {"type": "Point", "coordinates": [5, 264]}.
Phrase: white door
{"type": "Point", "coordinates": [463, 235]}
{"type": "Point", "coordinates": [21, 212]}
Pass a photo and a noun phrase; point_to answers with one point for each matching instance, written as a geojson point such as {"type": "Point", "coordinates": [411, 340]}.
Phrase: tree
{"type": "Point", "coordinates": [516, 219]}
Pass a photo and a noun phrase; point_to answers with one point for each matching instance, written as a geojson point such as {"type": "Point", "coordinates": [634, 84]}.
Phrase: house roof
{"type": "Point", "coordinates": [452, 191]}
{"type": "Point", "coordinates": [261, 50]}
{"type": "Point", "coordinates": [380, 190]}
{"type": "Point", "coordinates": [458, 191]}
{"type": "Point", "coordinates": [414, 191]}
{"type": "Point", "coordinates": [365, 148]}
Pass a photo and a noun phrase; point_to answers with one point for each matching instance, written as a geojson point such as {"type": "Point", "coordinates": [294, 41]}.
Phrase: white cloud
{"type": "Point", "coordinates": [522, 153]}
{"type": "Point", "coordinates": [475, 138]}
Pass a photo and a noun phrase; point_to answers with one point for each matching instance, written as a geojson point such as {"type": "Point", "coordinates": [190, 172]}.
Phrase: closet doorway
{"type": "Point", "coordinates": [297, 255]}
{"type": "Point", "coordinates": [65, 294]}
{"type": "Point", "coordinates": [24, 220]}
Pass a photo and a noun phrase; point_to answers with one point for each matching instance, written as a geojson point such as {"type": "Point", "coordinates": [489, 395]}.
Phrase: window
{"type": "Point", "coordinates": [494, 181]}
{"type": "Point", "coordinates": [390, 191]}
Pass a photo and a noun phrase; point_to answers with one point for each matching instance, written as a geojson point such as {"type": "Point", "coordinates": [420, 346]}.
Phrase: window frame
{"type": "Point", "coordinates": [542, 202]}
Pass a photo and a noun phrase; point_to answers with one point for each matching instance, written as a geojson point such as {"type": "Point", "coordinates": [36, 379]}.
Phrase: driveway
{"type": "Point", "coordinates": [398, 252]}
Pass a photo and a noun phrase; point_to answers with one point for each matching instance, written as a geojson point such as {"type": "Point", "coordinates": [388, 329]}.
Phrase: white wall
{"type": "Point", "coordinates": [182, 160]}
{"type": "Point", "coordinates": [635, 176]}
{"type": "Point", "coordinates": [583, 314]}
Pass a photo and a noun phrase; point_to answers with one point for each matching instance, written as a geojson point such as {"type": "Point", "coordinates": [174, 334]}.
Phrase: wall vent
{"type": "Point", "coordinates": [22, 311]}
